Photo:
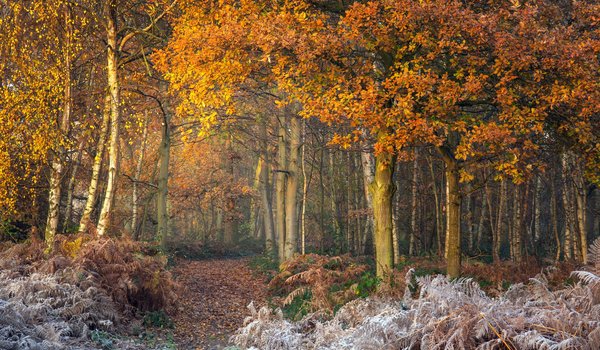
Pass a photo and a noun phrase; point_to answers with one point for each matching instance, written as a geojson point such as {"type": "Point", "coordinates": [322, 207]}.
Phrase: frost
{"type": "Point", "coordinates": [39, 312]}
{"type": "Point", "coordinates": [445, 315]}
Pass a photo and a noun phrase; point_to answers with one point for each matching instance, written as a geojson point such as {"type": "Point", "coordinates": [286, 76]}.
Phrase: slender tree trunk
{"type": "Point", "coordinates": [482, 216]}
{"type": "Point", "coordinates": [438, 209]}
{"type": "Point", "coordinates": [267, 210]}
{"type": "Point", "coordinates": [515, 242]}
{"type": "Point", "coordinates": [569, 244]}
{"type": "Point", "coordinates": [71, 186]}
{"type": "Point", "coordinates": [368, 167]}
{"type": "Point", "coordinates": [113, 87]}
{"type": "Point", "coordinates": [382, 190]}
{"type": "Point", "coordinates": [580, 200]}
{"type": "Point", "coordinates": [414, 207]}
{"type": "Point", "coordinates": [397, 236]}
{"type": "Point", "coordinates": [164, 153]}
{"type": "Point", "coordinates": [554, 219]}
{"type": "Point", "coordinates": [469, 212]}
{"type": "Point", "coordinates": [219, 224]}
{"type": "Point", "coordinates": [291, 195]}
{"type": "Point", "coordinates": [358, 203]}
{"type": "Point", "coordinates": [537, 216]}
{"type": "Point", "coordinates": [280, 185]}
{"type": "Point", "coordinates": [499, 219]}
{"type": "Point", "coordinates": [230, 222]}
{"type": "Point", "coordinates": [453, 200]}
{"type": "Point", "coordinates": [56, 170]}
{"type": "Point", "coordinates": [136, 178]}
{"type": "Point", "coordinates": [96, 167]}
{"type": "Point", "coordinates": [349, 232]}
{"type": "Point", "coordinates": [255, 205]}
{"type": "Point", "coordinates": [322, 198]}
{"type": "Point", "coordinates": [335, 222]}
{"type": "Point", "coordinates": [305, 185]}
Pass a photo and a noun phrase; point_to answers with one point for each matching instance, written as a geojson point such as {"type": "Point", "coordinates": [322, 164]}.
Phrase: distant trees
{"type": "Point", "coordinates": [338, 127]}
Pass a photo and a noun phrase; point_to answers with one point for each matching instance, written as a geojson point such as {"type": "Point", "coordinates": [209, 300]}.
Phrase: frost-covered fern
{"type": "Point", "coordinates": [39, 312]}
{"type": "Point", "coordinates": [446, 315]}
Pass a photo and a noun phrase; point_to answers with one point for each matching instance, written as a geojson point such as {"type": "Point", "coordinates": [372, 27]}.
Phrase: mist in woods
{"type": "Point", "coordinates": [339, 166]}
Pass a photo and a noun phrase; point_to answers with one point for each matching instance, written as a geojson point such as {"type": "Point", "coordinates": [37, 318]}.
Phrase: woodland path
{"type": "Point", "coordinates": [213, 299]}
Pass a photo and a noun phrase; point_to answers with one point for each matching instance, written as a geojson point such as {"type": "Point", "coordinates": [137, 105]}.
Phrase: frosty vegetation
{"type": "Point", "coordinates": [84, 287]}
{"type": "Point", "coordinates": [437, 313]}
{"type": "Point", "coordinates": [39, 312]}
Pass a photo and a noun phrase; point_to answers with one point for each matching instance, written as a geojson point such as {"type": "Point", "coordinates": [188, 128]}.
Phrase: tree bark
{"type": "Point", "coordinates": [382, 190]}
{"type": "Point", "coordinates": [113, 87]}
{"type": "Point", "coordinates": [469, 214]}
{"type": "Point", "coordinates": [71, 186]}
{"type": "Point", "coordinates": [569, 244]}
{"type": "Point", "coordinates": [136, 178]}
{"type": "Point", "coordinates": [56, 170]}
{"type": "Point", "coordinates": [255, 205]}
{"type": "Point", "coordinates": [96, 167]}
{"type": "Point", "coordinates": [438, 209]}
{"type": "Point", "coordinates": [537, 216]}
{"type": "Point", "coordinates": [368, 168]}
{"type": "Point", "coordinates": [280, 188]}
{"type": "Point", "coordinates": [164, 153]}
{"type": "Point", "coordinates": [291, 194]}
{"type": "Point", "coordinates": [580, 201]}
{"type": "Point", "coordinates": [554, 220]}
{"type": "Point", "coordinates": [515, 242]}
{"type": "Point", "coordinates": [453, 200]}
{"type": "Point", "coordinates": [230, 222]}
{"type": "Point", "coordinates": [497, 233]}
{"type": "Point", "coordinates": [414, 207]}
{"type": "Point", "coordinates": [482, 215]}
{"type": "Point", "coordinates": [305, 185]}
{"type": "Point", "coordinates": [267, 210]}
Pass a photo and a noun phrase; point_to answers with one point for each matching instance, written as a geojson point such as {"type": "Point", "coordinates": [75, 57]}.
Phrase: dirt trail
{"type": "Point", "coordinates": [213, 300]}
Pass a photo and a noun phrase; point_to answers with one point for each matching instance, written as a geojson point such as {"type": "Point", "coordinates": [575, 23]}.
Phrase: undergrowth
{"type": "Point", "coordinates": [83, 285]}
{"type": "Point", "coordinates": [438, 313]}
{"type": "Point", "coordinates": [311, 283]}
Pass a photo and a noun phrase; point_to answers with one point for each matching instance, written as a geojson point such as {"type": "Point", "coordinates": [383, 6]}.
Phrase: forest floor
{"type": "Point", "coordinates": [213, 299]}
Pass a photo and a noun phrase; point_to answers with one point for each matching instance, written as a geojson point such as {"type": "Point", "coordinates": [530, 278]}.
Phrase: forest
{"type": "Point", "coordinates": [300, 174]}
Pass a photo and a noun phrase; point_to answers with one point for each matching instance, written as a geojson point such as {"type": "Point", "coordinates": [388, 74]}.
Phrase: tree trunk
{"type": "Point", "coordinates": [537, 216]}
{"type": "Point", "coordinates": [267, 210]}
{"type": "Point", "coordinates": [453, 200]}
{"type": "Point", "coordinates": [291, 195]}
{"type": "Point", "coordinates": [71, 186]}
{"type": "Point", "coordinates": [569, 244]}
{"type": "Point", "coordinates": [554, 220]}
{"type": "Point", "coordinates": [305, 185]}
{"type": "Point", "coordinates": [414, 207]}
{"type": "Point", "coordinates": [280, 189]}
{"type": "Point", "coordinates": [164, 154]}
{"type": "Point", "coordinates": [255, 205]}
{"type": "Point", "coordinates": [96, 167]}
{"type": "Point", "coordinates": [113, 88]}
{"type": "Point", "coordinates": [438, 209]}
{"type": "Point", "coordinates": [230, 223]}
{"type": "Point", "coordinates": [497, 235]}
{"type": "Point", "coordinates": [136, 179]}
{"type": "Point", "coordinates": [580, 200]}
{"type": "Point", "coordinates": [515, 241]}
{"type": "Point", "coordinates": [368, 168]}
{"type": "Point", "coordinates": [469, 216]}
{"type": "Point", "coordinates": [382, 190]}
{"type": "Point", "coordinates": [56, 170]}
{"type": "Point", "coordinates": [335, 210]}
{"type": "Point", "coordinates": [482, 215]}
